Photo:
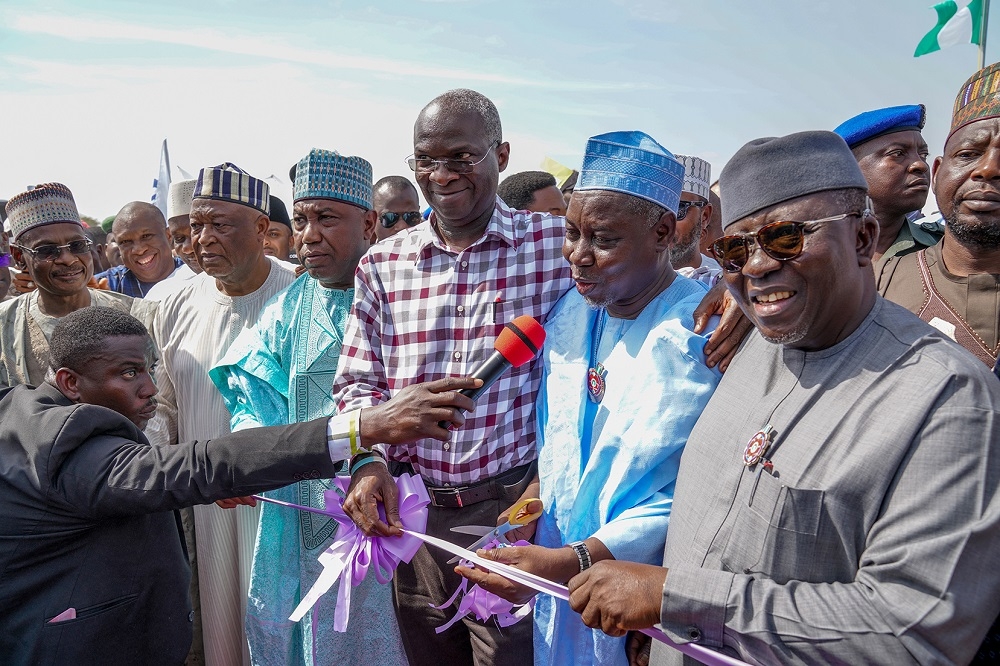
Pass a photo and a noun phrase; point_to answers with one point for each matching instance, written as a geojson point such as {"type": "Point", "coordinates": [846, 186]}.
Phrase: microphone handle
{"type": "Point", "coordinates": [489, 372]}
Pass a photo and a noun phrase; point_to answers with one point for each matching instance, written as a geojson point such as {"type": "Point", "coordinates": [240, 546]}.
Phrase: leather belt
{"type": "Point", "coordinates": [507, 486]}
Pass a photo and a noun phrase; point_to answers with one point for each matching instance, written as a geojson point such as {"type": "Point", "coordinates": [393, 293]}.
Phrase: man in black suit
{"type": "Point", "coordinates": [92, 561]}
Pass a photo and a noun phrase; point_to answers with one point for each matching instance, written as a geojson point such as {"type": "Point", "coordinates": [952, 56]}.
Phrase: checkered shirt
{"type": "Point", "coordinates": [424, 312]}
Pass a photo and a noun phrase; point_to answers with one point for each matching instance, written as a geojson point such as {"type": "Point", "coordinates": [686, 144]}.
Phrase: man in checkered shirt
{"type": "Point", "coordinates": [430, 302]}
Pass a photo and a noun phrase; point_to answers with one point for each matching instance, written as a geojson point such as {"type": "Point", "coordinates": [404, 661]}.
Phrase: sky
{"type": "Point", "coordinates": [89, 90]}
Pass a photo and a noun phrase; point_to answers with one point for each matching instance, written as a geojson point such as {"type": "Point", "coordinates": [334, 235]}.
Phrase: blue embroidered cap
{"type": "Point", "coordinates": [326, 174]}
{"type": "Point", "coordinates": [870, 124]}
{"type": "Point", "coordinates": [632, 163]}
{"type": "Point", "coordinates": [228, 182]}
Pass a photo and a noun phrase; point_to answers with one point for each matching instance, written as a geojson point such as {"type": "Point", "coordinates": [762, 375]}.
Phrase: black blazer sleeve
{"type": "Point", "coordinates": [115, 472]}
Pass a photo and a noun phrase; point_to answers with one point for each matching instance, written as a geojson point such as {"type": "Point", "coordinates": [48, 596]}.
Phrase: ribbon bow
{"type": "Point", "coordinates": [354, 553]}
{"type": "Point", "coordinates": [483, 603]}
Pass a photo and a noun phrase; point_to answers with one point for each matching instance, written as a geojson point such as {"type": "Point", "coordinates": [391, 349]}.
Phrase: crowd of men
{"type": "Point", "coordinates": [762, 421]}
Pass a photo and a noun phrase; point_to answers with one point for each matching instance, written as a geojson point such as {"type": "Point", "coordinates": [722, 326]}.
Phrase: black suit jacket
{"type": "Point", "coordinates": [87, 521]}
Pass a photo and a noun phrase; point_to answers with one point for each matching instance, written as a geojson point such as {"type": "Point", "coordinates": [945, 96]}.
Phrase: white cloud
{"type": "Point", "coordinates": [104, 30]}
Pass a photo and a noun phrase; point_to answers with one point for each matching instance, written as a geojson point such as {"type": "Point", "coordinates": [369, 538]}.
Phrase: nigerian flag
{"type": "Point", "coordinates": [959, 22]}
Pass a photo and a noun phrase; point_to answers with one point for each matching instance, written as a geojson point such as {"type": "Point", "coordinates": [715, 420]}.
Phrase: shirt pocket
{"type": "Point", "coordinates": [776, 532]}
{"type": "Point", "coordinates": [489, 315]}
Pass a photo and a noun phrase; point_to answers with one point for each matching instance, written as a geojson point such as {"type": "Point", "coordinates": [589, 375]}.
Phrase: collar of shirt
{"type": "Point", "coordinates": [501, 225]}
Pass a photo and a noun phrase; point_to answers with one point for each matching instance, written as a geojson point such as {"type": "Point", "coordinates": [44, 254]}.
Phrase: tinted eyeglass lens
{"type": "Point", "coordinates": [781, 240]}
{"type": "Point", "coordinates": [732, 252]}
{"type": "Point", "coordinates": [388, 220]}
{"type": "Point", "coordinates": [412, 218]}
{"type": "Point", "coordinates": [52, 252]}
{"type": "Point", "coordinates": [428, 165]}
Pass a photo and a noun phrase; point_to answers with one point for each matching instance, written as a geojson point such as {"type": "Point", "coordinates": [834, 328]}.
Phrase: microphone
{"type": "Point", "coordinates": [517, 344]}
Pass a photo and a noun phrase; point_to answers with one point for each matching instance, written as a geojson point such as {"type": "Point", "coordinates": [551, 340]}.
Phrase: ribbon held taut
{"type": "Point", "coordinates": [704, 655]}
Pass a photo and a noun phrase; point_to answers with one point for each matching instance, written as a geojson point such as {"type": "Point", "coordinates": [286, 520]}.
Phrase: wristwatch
{"type": "Point", "coordinates": [582, 554]}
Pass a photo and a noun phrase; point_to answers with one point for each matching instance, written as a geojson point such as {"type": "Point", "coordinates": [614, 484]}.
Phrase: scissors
{"type": "Point", "coordinates": [519, 516]}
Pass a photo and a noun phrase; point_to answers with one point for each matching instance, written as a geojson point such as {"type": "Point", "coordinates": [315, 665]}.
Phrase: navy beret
{"type": "Point", "coordinates": [768, 171]}
{"type": "Point", "coordinates": [870, 124]}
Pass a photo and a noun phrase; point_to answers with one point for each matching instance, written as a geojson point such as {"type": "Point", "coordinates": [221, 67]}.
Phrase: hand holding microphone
{"type": "Point", "coordinates": [426, 410]}
{"type": "Point", "coordinates": [518, 343]}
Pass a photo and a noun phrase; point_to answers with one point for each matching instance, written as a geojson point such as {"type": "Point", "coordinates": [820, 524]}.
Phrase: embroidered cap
{"type": "Point", "coordinates": [179, 198]}
{"type": "Point", "coordinates": [228, 182]}
{"type": "Point", "coordinates": [697, 175]}
{"type": "Point", "coordinates": [978, 99]}
{"type": "Point", "coordinates": [326, 174]}
{"type": "Point", "coordinates": [50, 203]}
{"type": "Point", "coordinates": [632, 163]}
{"type": "Point", "coordinates": [870, 124]}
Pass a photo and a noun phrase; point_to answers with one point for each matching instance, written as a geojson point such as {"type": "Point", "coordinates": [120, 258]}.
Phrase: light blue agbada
{"type": "Point", "coordinates": [608, 470]}
{"type": "Point", "coordinates": [279, 372]}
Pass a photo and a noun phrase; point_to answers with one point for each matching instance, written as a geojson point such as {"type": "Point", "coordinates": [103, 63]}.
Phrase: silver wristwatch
{"type": "Point", "coordinates": [582, 554]}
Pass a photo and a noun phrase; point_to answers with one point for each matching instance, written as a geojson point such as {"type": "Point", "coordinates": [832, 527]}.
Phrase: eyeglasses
{"type": "Point", "coordinates": [44, 253]}
{"type": "Point", "coordinates": [782, 240]}
{"type": "Point", "coordinates": [389, 220]}
{"type": "Point", "coordinates": [684, 206]}
{"type": "Point", "coordinates": [427, 165]}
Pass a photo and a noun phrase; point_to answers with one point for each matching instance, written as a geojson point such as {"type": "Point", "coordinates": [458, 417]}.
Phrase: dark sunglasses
{"type": "Point", "coordinates": [389, 220]}
{"type": "Point", "coordinates": [684, 206]}
{"type": "Point", "coordinates": [781, 240]}
{"type": "Point", "coordinates": [53, 252]}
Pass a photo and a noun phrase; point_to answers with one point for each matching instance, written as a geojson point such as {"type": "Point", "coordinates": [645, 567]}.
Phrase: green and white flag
{"type": "Point", "coordinates": [959, 22]}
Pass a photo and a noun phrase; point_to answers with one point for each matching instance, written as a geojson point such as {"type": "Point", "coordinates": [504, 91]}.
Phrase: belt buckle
{"type": "Point", "coordinates": [453, 495]}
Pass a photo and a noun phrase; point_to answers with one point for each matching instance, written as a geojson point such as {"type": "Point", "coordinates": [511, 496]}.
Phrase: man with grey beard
{"type": "Point", "coordinates": [955, 285]}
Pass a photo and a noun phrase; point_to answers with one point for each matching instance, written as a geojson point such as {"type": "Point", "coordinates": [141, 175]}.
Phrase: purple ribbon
{"type": "Point", "coordinates": [482, 603]}
{"type": "Point", "coordinates": [352, 554]}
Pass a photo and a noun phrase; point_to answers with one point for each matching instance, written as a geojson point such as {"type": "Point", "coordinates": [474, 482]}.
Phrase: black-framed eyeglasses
{"type": "Point", "coordinates": [44, 253]}
{"type": "Point", "coordinates": [427, 165]}
{"type": "Point", "coordinates": [782, 240]}
{"type": "Point", "coordinates": [684, 206]}
{"type": "Point", "coordinates": [389, 220]}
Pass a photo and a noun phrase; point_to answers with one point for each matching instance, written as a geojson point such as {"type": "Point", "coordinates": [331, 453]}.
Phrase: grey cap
{"type": "Point", "coordinates": [768, 171]}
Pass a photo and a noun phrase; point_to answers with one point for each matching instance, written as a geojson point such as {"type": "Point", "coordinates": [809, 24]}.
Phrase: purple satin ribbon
{"type": "Point", "coordinates": [482, 603]}
{"type": "Point", "coordinates": [354, 553]}
{"type": "Point", "coordinates": [702, 654]}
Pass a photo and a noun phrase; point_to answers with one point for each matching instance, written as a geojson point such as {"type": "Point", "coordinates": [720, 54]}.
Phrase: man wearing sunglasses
{"type": "Point", "coordinates": [694, 213]}
{"type": "Point", "coordinates": [51, 245]}
{"type": "Point", "coordinates": [396, 205]}
{"type": "Point", "coordinates": [838, 499]}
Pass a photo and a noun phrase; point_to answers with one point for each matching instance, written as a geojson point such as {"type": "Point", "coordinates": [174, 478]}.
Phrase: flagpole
{"type": "Point", "coordinates": [982, 41]}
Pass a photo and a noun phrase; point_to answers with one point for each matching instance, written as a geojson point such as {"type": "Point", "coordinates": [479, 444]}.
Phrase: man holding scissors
{"type": "Point", "coordinates": [624, 382]}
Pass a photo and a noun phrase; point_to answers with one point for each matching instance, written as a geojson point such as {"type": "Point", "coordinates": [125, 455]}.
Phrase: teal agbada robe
{"type": "Point", "coordinates": [608, 470]}
{"type": "Point", "coordinates": [279, 372]}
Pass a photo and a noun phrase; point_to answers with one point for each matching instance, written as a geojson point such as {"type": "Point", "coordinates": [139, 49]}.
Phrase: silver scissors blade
{"type": "Point", "coordinates": [476, 530]}
{"type": "Point", "coordinates": [495, 534]}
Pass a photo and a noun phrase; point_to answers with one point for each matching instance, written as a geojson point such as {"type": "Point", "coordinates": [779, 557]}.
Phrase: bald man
{"type": "Point", "coordinates": [396, 204]}
{"type": "Point", "coordinates": [141, 234]}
